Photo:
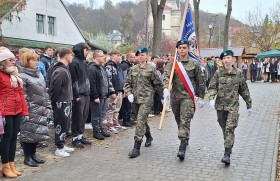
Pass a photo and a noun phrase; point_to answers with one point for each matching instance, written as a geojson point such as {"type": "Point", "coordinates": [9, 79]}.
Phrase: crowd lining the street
{"type": "Point", "coordinates": [73, 87]}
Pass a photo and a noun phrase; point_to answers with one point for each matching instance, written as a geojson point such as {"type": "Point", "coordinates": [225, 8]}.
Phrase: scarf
{"type": "Point", "coordinates": [14, 76]}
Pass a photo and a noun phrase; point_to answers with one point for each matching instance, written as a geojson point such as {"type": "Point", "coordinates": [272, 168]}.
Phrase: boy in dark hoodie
{"type": "Point", "coordinates": [81, 91]}
{"type": "Point", "coordinates": [61, 97]}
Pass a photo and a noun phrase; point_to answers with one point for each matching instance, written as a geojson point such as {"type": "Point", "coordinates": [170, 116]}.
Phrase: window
{"type": "Point", "coordinates": [40, 23]}
{"type": "Point", "coordinates": [51, 22]}
{"type": "Point", "coordinates": [163, 17]}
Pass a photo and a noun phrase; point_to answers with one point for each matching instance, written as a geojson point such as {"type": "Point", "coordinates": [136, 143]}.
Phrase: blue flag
{"type": "Point", "coordinates": [189, 33]}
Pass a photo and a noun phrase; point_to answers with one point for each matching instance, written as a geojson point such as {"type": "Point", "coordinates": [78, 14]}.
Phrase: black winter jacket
{"type": "Point", "coordinates": [61, 84]}
{"type": "Point", "coordinates": [78, 71]}
{"type": "Point", "coordinates": [115, 75]}
{"type": "Point", "coordinates": [97, 82]}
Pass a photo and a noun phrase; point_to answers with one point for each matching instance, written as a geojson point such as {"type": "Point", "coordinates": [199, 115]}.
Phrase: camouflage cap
{"type": "Point", "coordinates": [181, 42]}
{"type": "Point", "coordinates": [226, 53]}
{"type": "Point", "coordinates": [142, 50]}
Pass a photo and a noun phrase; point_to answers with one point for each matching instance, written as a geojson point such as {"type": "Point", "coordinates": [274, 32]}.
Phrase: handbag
{"type": "Point", "coordinates": [1, 125]}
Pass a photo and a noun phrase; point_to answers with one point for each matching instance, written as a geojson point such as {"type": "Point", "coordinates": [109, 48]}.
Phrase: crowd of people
{"type": "Point", "coordinates": [72, 87]}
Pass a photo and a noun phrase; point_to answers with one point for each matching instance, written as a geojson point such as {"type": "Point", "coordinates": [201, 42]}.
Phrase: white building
{"type": "Point", "coordinates": [116, 38]}
{"type": "Point", "coordinates": [42, 22]}
{"type": "Point", "coordinates": [171, 19]}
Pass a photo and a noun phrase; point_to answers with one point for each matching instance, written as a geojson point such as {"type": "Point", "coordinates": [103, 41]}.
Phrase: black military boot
{"type": "Point", "coordinates": [149, 139]}
{"type": "Point", "coordinates": [182, 150]}
{"type": "Point", "coordinates": [135, 152]}
{"type": "Point", "coordinates": [226, 158]}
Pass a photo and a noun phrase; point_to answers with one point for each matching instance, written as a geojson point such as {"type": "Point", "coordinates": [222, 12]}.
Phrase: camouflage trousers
{"type": "Point", "coordinates": [113, 109]}
{"type": "Point", "coordinates": [141, 112]}
{"type": "Point", "coordinates": [228, 121]}
{"type": "Point", "coordinates": [183, 110]}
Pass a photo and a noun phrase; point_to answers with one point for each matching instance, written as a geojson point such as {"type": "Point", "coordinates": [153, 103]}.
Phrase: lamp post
{"type": "Point", "coordinates": [211, 29]}
{"type": "Point", "coordinates": [211, 26]}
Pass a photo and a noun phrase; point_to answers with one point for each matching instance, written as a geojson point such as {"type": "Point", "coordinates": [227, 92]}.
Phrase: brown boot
{"type": "Point", "coordinates": [7, 172]}
{"type": "Point", "coordinates": [13, 168]}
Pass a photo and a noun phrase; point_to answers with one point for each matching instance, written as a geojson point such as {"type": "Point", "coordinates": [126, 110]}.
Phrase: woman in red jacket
{"type": "Point", "coordinates": [13, 109]}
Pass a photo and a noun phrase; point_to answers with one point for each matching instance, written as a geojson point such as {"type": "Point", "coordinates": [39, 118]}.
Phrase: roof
{"type": "Point", "coordinates": [116, 36]}
{"type": "Point", "coordinates": [9, 5]}
{"type": "Point", "coordinates": [33, 44]}
{"type": "Point", "coordinates": [209, 52]}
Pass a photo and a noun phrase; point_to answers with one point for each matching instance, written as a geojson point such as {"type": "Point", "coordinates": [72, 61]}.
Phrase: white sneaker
{"type": "Point", "coordinates": [151, 115]}
{"type": "Point", "coordinates": [61, 153]}
{"type": "Point", "coordinates": [113, 130]}
{"type": "Point", "coordinates": [68, 149]}
{"type": "Point", "coordinates": [88, 126]}
{"type": "Point", "coordinates": [119, 126]}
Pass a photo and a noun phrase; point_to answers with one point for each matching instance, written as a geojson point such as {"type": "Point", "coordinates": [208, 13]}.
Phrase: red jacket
{"type": "Point", "coordinates": [12, 101]}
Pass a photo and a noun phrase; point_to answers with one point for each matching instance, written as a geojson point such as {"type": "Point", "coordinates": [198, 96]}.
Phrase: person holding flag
{"type": "Point", "coordinates": [187, 77]}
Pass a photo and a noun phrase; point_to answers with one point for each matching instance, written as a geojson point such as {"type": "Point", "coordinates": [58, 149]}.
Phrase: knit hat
{"type": "Point", "coordinates": [5, 53]}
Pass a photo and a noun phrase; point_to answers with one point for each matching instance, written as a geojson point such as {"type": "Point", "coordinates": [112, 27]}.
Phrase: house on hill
{"type": "Point", "coordinates": [35, 24]}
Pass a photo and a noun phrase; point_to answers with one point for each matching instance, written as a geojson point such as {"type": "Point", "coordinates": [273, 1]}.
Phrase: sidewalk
{"type": "Point", "coordinates": [254, 154]}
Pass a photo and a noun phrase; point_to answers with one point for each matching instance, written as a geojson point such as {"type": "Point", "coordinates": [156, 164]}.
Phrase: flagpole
{"type": "Point", "coordinates": [173, 65]}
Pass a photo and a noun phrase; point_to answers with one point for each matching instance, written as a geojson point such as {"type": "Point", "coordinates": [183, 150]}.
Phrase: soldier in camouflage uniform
{"type": "Point", "coordinates": [141, 84]}
{"type": "Point", "coordinates": [181, 101]}
{"type": "Point", "coordinates": [227, 84]}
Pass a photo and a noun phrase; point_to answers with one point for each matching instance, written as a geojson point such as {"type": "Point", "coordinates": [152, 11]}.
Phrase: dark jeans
{"type": "Point", "coordinates": [253, 75]}
{"type": "Point", "coordinates": [157, 104]}
{"type": "Point", "coordinates": [97, 114]}
{"type": "Point", "coordinates": [273, 77]}
{"type": "Point", "coordinates": [259, 74]}
{"type": "Point", "coordinates": [79, 116]}
{"type": "Point", "coordinates": [9, 140]}
{"type": "Point", "coordinates": [244, 71]}
{"type": "Point", "coordinates": [62, 112]}
{"type": "Point", "coordinates": [125, 111]}
{"type": "Point", "coordinates": [29, 148]}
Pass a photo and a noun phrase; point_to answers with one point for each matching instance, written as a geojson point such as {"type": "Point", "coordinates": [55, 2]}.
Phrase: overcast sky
{"type": "Point", "coordinates": [240, 7]}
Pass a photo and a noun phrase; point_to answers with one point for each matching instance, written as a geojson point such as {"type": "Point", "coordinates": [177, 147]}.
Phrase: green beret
{"type": "Point", "coordinates": [142, 50]}
{"type": "Point", "coordinates": [181, 42]}
{"type": "Point", "coordinates": [226, 53]}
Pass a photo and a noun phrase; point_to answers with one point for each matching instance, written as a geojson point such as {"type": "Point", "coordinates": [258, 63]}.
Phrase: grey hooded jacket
{"type": "Point", "coordinates": [35, 129]}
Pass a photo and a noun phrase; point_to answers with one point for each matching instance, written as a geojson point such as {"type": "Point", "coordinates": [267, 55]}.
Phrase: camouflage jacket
{"type": "Point", "coordinates": [178, 89]}
{"type": "Point", "coordinates": [228, 87]}
{"type": "Point", "coordinates": [143, 82]}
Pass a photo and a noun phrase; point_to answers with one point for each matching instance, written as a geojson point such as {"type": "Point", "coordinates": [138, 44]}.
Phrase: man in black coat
{"type": "Point", "coordinates": [253, 71]}
{"type": "Point", "coordinates": [125, 111]}
{"type": "Point", "coordinates": [100, 88]}
{"type": "Point", "coordinates": [81, 91]}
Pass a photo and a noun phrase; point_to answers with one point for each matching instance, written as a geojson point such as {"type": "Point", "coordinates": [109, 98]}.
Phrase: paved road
{"type": "Point", "coordinates": [254, 153]}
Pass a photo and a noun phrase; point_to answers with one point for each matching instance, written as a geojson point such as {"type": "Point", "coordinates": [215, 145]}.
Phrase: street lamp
{"type": "Point", "coordinates": [211, 27]}
{"type": "Point", "coordinates": [211, 30]}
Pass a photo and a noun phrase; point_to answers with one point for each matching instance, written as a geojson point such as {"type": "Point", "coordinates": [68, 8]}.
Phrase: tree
{"type": "Point", "coordinates": [229, 9]}
{"type": "Point", "coordinates": [260, 32]}
{"type": "Point", "coordinates": [157, 11]}
{"type": "Point", "coordinates": [196, 20]}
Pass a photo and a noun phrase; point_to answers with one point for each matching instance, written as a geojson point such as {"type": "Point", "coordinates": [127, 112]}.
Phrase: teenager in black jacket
{"type": "Point", "coordinates": [61, 97]}
{"type": "Point", "coordinates": [81, 91]}
{"type": "Point", "coordinates": [100, 88]}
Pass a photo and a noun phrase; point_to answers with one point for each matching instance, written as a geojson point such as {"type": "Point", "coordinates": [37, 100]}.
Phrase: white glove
{"type": "Point", "coordinates": [249, 111]}
{"type": "Point", "coordinates": [165, 93]}
{"type": "Point", "coordinates": [212, 104]}
{"type": "Point", "coordinates": [201, 103]}
{"type": "Point", "coordinates": [130, 98]}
